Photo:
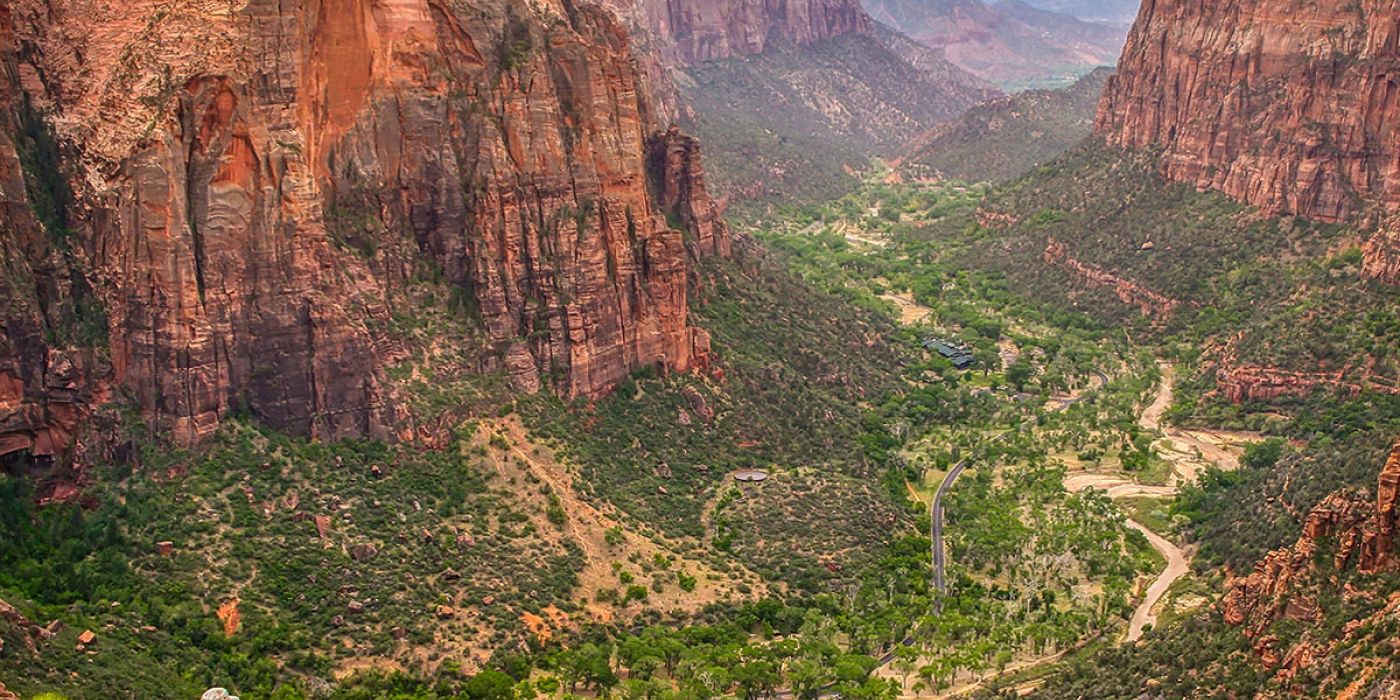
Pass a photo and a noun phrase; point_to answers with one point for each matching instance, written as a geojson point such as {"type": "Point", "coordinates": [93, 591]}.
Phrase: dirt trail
{"type": "Point", "coordinates": [1190, 453]}
{"type": "Point", "coordinates": [1060, 402]}
{"type": "Point", "coordinates": [588, 526]}
{"type": "Point", "coordinates": [1177, 566]}
{"type": "Point", "coordinates": [1178, 563]}
{"type": "Point", "coordinates": [858, 236]}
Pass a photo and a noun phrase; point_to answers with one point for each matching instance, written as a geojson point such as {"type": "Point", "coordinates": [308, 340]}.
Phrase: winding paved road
{"type": "Point", "coordinates": [1099, 381]}
{"type": "Point", "coordinates": [936, 513]}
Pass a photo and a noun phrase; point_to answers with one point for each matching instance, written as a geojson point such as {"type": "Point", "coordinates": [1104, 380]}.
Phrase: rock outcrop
{"type": "Point", "coordinates": [251, 183]}
{"type": "Point", "coordinates": [1290, 105]}
{"type": "Point", "coordinates": [1360, 536]}
{"type": "Point", "coordinates": [1242, 382]}
{"type": "Point", "coordinates": [680, 191]}
{"type": "Point", "coordinates": [1149, 303]}
{"type": "Point", "coordinates": [1380, 259]}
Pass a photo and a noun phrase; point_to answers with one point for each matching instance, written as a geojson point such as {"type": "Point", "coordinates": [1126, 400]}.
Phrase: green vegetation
{"type": "Point", "coordinates": [1307, 311]}
{"type": "Point", "coordinates": [790, 125]}
{"type": "Point", "coordinates": [1237, 517]}
{"type": "Point", "coordinates": [770, 331]}
{"type": "Point", "coordinates": [364, 569]}
{"type": "Point", "coordinates": [405, 531]}
{"type": "Point", "coordinates": [1002, 139]}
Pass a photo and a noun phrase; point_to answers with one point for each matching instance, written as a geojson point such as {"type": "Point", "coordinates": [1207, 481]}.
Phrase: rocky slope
{"type": "Point", "coordinates": [671, 35]}
{"type": "Point", "coordinates": [794, 123]}
{"type": "Point", "coordinates": [1312, 610]}
{"type": "Point", "coordinates": [694, 31]}
{"type": "Point", "coordinates": [791, 97]}
{"type": "Point", "coordinates": [1111, 11]}
{"type": "Point", "coordinates": [1003, 138]}
{"type": "Point", "coordinates": [1009, 43]}
{"type": "Point", "coordinates": [1285, 104]}
{"type": "Point", "coordinates": [250, 185]}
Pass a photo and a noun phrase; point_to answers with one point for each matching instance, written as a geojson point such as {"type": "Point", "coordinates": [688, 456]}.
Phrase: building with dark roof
{"type": "Point", "coordinates": [957, 353]}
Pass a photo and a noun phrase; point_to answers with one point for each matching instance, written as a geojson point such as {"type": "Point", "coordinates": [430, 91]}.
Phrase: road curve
{"type": "Point", "coordinates": [1177, 566]}
{"type": "Point", "coordinates": [936, 514]}
{"type": "Point", "coordinates": [1099, 381]}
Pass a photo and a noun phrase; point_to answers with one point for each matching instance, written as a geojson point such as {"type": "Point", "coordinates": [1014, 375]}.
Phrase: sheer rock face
{"type": "Point", "coordinates": [252, 179]}
{"type": "Point", "coordinates": [680, 190]}
{"type": "Point", "coordinates": [1290, 105]}
{"type": "Point", "coordinates": [42, 388]}
{"type": "Point", "coordinates": [1286, 582]}
{"type": "Point", "coordinates": [692, 31]}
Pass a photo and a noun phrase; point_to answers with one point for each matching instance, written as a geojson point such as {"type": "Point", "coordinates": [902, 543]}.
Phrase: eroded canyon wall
{"type": "Point", "coordinates": [44, 380]}
{"type": "Point", "coordinates": [1347, 542]}
{"type": "Point", "coordinates": [1290, 105]}
{"type": "Point", "coordinates": [251, 180]}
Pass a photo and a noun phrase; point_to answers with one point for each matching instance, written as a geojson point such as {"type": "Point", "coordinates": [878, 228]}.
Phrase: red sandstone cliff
{"type": "Point", "coordinates": [43, 384]}
{"type": "Point", "coordinates": [1291, 105]}
{"type": "Point", "coordinates": [251, 182]}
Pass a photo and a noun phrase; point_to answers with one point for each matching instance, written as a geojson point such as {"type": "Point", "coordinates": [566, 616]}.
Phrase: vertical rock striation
{"type": "Point", "coordinates": [1290, 105]}
{"type": "Point", "coordinates": [680, 190]}
{"type": "Point", "coordinates": [253, 180]}
{"type": "Point", "coordinates": [45, 378]}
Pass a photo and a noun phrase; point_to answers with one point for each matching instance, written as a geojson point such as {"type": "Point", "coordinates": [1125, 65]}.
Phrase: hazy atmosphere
{"type": "Point", "coordinates": [699, 349]}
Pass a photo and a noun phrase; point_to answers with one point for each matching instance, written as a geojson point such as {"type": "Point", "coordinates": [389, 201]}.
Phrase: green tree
{"type": "Point", "coordinates": [490, 684]}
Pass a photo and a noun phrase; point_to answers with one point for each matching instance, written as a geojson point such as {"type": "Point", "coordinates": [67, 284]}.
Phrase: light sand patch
{"type": "Point", "coordinates": [588, 525]}
{"type": "Point", "coordinates": [910, 312]}
{"type": "Point", "coordinates": [353, 665]}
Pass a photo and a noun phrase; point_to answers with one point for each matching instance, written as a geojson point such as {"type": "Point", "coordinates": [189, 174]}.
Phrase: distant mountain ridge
{"type": "Point", "coordinates": [792, 97]}
{"type": "Point", "coordinates": [694, 31]}
{"type": "Point", "coordinates": [795, 123]}
{"type": "Point", "coordinates": [1111, 11]}
{"type": "Point", "coordinates": [1009, 43]}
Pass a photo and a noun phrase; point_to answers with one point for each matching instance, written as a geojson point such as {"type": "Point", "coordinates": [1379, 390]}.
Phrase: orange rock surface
{"type": "Point", "coordinates": [1282, 584]}
{"type": "Point", "coordinates": [252, 180]}
{"type": "Point", "coordinates": [1291, 105]}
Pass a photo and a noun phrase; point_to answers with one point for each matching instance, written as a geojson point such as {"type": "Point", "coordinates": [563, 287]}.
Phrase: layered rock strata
{"type": "Point", "coordinates": [1149, 303]}
{"type": "Point", "coordinates": [693, 31]}
{"type": "Point", "coordinates": [252, 181]}
{"type": "Point", "coordinates": [1290, 105]}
